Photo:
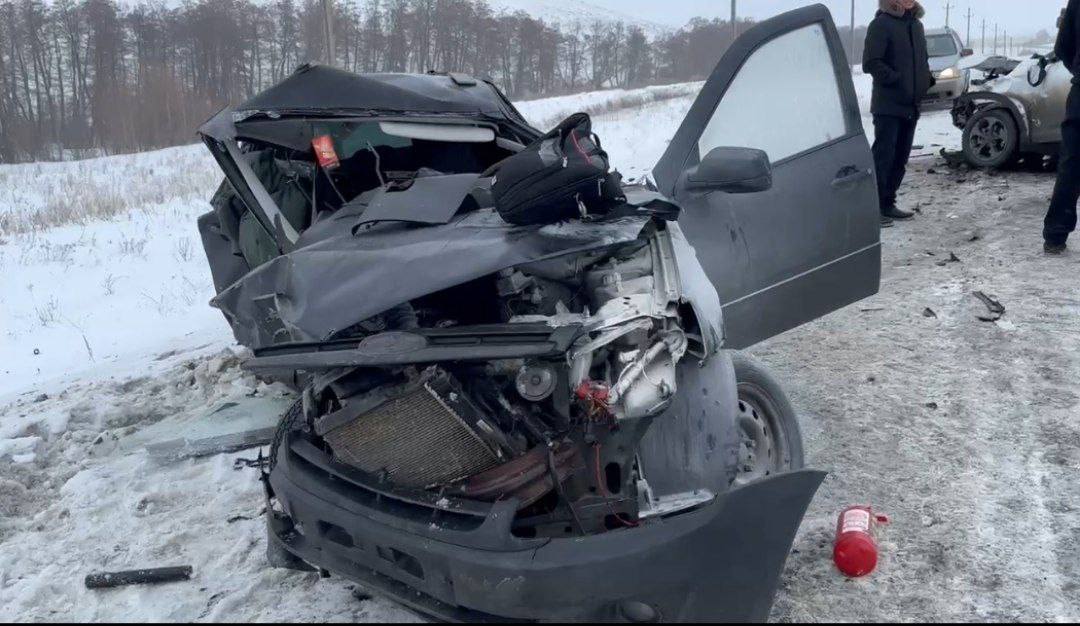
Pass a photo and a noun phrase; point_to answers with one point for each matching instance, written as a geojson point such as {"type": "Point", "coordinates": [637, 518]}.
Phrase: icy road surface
{"type": "Point", "coordinates": [965, 432]}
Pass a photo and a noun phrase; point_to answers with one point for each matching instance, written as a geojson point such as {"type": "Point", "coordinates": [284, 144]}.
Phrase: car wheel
{"type": "Point", "coordinates": [771, 441]}
{"type": "Point", "coordinates": [991, 139]}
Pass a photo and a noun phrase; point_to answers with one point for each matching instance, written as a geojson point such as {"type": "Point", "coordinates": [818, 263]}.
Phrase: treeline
{"type": "Point", "coordinates": [89, 75]}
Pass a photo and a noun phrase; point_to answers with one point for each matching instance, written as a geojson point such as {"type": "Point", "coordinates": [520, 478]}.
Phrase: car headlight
{"type": "Point", "coordinates": [949, 73]}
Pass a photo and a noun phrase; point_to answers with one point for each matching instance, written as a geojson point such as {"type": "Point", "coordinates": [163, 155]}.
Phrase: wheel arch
{"type": "Point", "coordinates": [693, 444]}
{"type": "Point", "coordinates": [988, 101]}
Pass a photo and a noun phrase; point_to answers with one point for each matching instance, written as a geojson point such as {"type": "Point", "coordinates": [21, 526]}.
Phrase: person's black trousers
{"type": "Point", "coordinates": [893, 137]}
{"type": "Point", "coordinates": [1061, 218]}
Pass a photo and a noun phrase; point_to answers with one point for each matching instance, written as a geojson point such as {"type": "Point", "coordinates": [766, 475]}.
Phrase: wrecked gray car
{"type": "Point", "coordinates": [547, 422]}
{"type": "Point", "coordinates": [1016, 113]}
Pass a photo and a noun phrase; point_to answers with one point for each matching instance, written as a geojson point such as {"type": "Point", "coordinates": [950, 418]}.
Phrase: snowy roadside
{"type": "Point", "coordinates": [964, 432]}
{"type": "Point", "coordinates": [89, 499]}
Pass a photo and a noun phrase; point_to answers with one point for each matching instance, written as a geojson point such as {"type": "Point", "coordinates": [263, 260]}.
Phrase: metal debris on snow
{"type": "Point", "coordinates": [994, 308]}
{"type": "Point", "coordinates": [153, 575]}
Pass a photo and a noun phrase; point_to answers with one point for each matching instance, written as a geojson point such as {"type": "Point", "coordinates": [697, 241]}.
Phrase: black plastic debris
{"type": "Point", "coordinates": [952, 259]}
{"type": "Point", "coordinates": [259, 462]}
{"type": "Point", "coordinates": [928, 312]}
{"type": "Point", "coordinates": [994, 309]}
{"type": "Point", "coordinates": [154, 575]}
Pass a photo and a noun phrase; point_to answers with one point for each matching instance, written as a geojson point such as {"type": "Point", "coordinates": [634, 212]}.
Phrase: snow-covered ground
{"type": "Point", "coordinates": [106, 336]}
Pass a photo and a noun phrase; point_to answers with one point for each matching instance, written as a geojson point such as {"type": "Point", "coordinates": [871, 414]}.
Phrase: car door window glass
{"type": "Point", "coordinates": [784, 100]}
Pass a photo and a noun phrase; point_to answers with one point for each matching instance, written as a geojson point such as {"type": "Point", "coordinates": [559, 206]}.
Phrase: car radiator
{"type": "Point", "coordinates": [428, 434]}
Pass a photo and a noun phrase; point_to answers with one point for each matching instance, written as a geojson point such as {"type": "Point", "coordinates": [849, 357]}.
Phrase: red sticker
{"type": "Point", "coordinates": [324, 152]}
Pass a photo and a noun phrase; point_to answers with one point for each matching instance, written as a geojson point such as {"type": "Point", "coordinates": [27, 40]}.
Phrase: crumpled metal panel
{"type": "Point", "coordinates": [335, 279]}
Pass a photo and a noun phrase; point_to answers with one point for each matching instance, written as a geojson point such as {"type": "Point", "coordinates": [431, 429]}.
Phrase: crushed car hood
{"type": "Point", "coordinates": [312, 293]}
{"type": "Point", "coordinates": [322, 91]}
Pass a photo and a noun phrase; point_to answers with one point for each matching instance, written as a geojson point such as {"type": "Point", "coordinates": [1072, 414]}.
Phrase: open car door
{"type": "Point", "coordinates": [810, 243]}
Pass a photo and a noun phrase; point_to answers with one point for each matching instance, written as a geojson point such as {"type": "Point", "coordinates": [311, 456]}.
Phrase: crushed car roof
{"type": "Point", "coordinates": [323, 89]}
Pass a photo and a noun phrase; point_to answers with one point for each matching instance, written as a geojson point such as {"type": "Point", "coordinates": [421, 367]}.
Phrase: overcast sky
{"type": "Point", "coordinates": [1022, 17]}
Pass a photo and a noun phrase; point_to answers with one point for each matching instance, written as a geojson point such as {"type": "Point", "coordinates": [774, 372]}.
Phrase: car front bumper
{"type": "Point", "coordinates": [718, 562]}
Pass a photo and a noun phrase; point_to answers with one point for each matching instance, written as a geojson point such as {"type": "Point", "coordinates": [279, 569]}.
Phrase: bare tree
{"type": "Point", "coordinates": [79, 75]}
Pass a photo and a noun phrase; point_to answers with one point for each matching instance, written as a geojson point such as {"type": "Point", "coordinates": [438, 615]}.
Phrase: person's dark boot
{"type": "Point", "coordinates": [886, 221]}
{"type": "Point", "coordinates": [897, 214]}
{"type": "Point", "coordinates": [1054, 249]}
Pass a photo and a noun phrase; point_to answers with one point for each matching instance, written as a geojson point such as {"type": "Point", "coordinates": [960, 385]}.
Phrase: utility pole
{"type": "Point", "coordinates": [734, 24]}
{"type": "Point", "coordinates": [967, 41]}
{"type": "Point", "coordinates": [949, 6]}
{"type": "Point", "coordinates": [1005, 41]}
{"type": "Point", "coordinates": [983, 41]}
{"type": "Point", "coordinates": [995, 38]}
{"type": "Point", "coordinates": [328, 30]}
{"type": "Point", "coordinates": [851, 59]}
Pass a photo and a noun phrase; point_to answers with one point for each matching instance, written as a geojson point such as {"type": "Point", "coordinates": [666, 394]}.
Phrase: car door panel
{"type": "Point", "coordinates": [810, 244]}
{"type": "Point", "coordinates": [1046, 104]}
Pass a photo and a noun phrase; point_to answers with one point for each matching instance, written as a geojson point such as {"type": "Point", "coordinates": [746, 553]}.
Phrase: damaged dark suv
{"type": "Point", "coordinates": [545, 422]}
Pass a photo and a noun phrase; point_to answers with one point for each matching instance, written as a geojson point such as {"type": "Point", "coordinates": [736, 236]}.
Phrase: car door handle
{"type": "Point", "coordinates": [850, 176]}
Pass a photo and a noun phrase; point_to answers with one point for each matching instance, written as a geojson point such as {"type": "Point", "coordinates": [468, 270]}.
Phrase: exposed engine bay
{"type": "Point", "coordinates": [556, 433]}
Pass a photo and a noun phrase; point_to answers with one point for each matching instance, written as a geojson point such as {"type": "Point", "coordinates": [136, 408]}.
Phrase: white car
{"type": "Point", "coordinates": [945, 49]}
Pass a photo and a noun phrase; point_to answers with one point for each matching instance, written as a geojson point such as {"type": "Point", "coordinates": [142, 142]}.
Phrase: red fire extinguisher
{"type": "Point", "coordinates": [855, 551]}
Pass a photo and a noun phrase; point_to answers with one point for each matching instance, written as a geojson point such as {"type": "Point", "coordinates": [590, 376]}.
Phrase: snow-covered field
{"type": "Point", "coordinates": [107, 338]}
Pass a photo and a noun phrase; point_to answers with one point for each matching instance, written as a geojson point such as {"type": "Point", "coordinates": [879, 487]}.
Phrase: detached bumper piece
{"type": "Point", "coordinates": [457, 560]}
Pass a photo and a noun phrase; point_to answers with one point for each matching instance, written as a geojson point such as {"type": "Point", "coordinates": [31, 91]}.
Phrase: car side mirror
{"type": "Point", "coordinates": [966, 52]}
{"type": "Point", "coordinates": [734, 170]}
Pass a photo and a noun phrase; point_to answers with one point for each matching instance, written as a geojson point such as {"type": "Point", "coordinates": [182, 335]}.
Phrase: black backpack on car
{"type": "Point", "coordinates": [562, 175]}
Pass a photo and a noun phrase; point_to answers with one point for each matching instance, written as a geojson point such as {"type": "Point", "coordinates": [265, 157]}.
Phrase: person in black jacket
{"type": "Point", "coordinates": [1061, 217]}
{"type": "Point", "coordinates": [895, 55]}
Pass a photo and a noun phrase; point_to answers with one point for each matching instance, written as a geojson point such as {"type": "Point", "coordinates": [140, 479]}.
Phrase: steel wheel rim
{"type": "Point", "coordinates": [763, 447]}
